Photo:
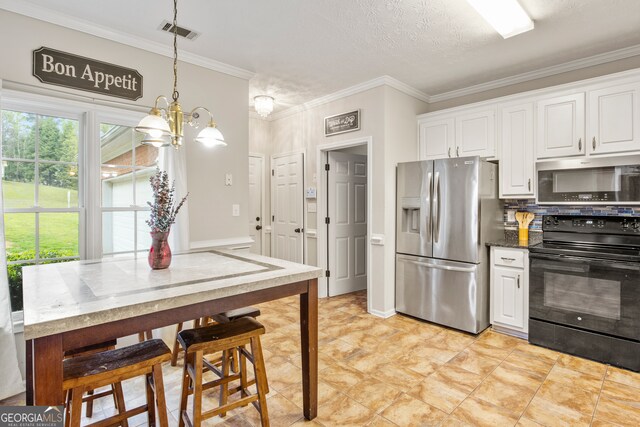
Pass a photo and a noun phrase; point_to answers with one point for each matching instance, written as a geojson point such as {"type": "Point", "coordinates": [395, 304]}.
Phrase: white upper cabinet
{"type": "Point", "coordinates": [462, 133]}
{"type": "Point", "coordinates": [613, 121]}
{"type": "Point", "coordinates": [517, 160]}
{"type": "Point", "coordinates": [436, 138]}
{"type": "Point", "coordinates": [560, 126]}
{"type": "Point", "coordinates": [476, 133]}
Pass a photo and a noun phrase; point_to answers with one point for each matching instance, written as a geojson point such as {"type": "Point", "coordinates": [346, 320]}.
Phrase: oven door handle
{"type": "Point", "coordinates": [629, 265]}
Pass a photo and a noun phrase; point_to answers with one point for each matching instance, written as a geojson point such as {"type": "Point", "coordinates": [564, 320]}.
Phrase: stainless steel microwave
{"type": "Point", "coordinates": [600, 181]}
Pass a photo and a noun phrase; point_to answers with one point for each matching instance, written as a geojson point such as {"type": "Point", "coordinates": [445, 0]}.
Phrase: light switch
{"type": "Point", "coordinates": [228, 179]}
{"type": "Point", "coordinates": [235, 210]}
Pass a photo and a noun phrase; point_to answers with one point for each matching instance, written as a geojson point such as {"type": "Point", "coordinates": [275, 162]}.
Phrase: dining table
{"type": "Point", "coordinates": [75, 304]}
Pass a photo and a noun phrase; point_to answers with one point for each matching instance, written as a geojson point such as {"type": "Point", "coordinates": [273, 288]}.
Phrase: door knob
{"type": "Point", "coordinates": [257, 218]}
{"type": "Point", "coordinates": [258, 227]}
{"type": "Point", "coordinates": [297, 230]}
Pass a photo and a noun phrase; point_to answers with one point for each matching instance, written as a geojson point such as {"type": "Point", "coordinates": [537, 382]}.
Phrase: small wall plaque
{"type": "Point", "coordinates": [65, 69]}
{"type": "Point", "coordinates": [341, 123]}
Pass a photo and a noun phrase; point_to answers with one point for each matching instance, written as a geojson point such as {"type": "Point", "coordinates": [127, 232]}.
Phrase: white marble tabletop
{"type": "Point", "coordinates": [73, 295]}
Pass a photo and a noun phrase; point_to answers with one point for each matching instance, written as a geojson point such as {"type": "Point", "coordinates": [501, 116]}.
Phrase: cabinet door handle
{"type": "Point", "coordinates": [518, 281]}
{"type": "Point", "coordinates": [580, 144]}
{"type": "Point", "coordinates": [449, 152]}
{"type": "Point", "coordinates": [458, 151]}
{"type": "Point", "coordinates": [507, 259]}
{"type": "Point", "coordinates": [529, 184]}
{"type": "Point", "coordinates": [593, 143]}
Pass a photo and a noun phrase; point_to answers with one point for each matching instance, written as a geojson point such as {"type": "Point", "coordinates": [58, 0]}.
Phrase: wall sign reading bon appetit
{"type": "Point", "coordinates": [341, 123]}
{"type": "Point", "coordinates": [65, 69]}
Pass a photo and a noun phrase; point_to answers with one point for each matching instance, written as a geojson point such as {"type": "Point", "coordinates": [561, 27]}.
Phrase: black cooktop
{"type": "Point", "coordinates": [611, 237]}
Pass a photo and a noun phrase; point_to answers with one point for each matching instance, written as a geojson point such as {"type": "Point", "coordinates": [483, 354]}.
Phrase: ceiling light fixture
{"type": "Point", "coordinates": [263, 105]}
{"type": "Point", "coordinates": [165, 126]}
{"type": "Point", "coordinates": [507, 16]}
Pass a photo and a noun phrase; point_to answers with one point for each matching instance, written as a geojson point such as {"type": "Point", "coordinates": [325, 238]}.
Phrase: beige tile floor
{"type": "Point", "coordinates": [400, 371]}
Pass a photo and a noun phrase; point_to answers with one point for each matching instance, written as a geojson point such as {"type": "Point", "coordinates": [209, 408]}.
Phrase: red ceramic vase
{"type": "Point", "coordinates": [160, 252]}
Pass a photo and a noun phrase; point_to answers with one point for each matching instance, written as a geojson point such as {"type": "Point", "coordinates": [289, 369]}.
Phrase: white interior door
{"type": "Point", "coordinates": [255, 202]}
{"type": "Point", "coordinates": [287, 207]}
{"type": "Point", "coordinates": [347, 232]}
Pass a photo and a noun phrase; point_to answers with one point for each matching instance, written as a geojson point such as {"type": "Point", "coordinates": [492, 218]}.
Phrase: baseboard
{"type": "Point", "coordinates": [383, 314]}
{"type": "Point", "coordinates": [233, 242]}
{"type": "Point", "coordinates": [511, 332]}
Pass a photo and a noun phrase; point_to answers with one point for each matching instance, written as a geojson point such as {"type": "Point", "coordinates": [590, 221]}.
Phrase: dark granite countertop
{"type": "Point", "coordinates": [510, 240]}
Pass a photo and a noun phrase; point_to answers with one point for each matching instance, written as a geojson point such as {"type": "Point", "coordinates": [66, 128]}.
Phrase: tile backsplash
{"type": "Point", "coordinates": [539, 210]}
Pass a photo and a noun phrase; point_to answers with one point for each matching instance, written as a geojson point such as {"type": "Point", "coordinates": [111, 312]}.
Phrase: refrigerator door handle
{"type": "Point", "coordinates": [440, 267]}
{"type": "Point", "coordinates": [436, 207]}
{"type": "Point", "coordinates": [429, 218]}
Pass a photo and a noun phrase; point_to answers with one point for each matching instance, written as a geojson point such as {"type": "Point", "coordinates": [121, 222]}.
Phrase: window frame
{"type": "Point", "coordinates": [118, 119]}
{"type": "Point", "coordinates": [89, 116]}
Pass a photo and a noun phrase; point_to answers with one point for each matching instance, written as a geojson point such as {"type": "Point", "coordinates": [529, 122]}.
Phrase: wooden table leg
{"type": "Point", "coordinates": [309, 346]}
{"type": "Point", "coordinates": [47, 370]}
{"type": "Point", "coordinates": [29, 368]}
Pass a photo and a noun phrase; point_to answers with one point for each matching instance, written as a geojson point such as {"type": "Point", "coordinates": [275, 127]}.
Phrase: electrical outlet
{"type": "Point", "coordinates": [235, 210]}
{"type": "Point", "coordinates": [228, 179]}
{"type": "Point", "coordinates": [511, 216]}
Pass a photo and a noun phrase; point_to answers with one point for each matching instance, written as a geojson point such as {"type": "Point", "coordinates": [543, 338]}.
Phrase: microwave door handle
{"type": "Point", "coordinates": [429, 222]}
{"type": "Point", "coordinates": [436, 207]}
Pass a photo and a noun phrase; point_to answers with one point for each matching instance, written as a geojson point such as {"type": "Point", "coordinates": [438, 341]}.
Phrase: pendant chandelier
{"type": "Point", "coordinates": [165, 126]}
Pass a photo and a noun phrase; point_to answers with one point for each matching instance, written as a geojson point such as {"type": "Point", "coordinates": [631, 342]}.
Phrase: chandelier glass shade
{"type": "Point", "coordinates": [164, 125]}
{"type": "Point", "coordinates": [263, 105]}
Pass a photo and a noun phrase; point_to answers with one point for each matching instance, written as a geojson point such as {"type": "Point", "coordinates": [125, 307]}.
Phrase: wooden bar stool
{"type": "Point", "coordinates": [116, 388]}
{"type": "Point", "coordinates": [225, 317]}
{"type": "Point", "coordinates": [225, 338]}
{"type": "Point", "coordinates": [89, 372]}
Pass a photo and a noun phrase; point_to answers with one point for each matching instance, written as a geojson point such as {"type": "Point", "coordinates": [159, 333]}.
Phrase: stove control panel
{"type": "Point", "coordinates": [591, 224]}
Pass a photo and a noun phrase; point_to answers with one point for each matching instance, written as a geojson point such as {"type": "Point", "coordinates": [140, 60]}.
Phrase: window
{"type": "Point", "coordinates": [125, 168]}
{"type": "Point", "coordinates": [75, 183]}
{"type": "Point", "coordinates": [40, 177]}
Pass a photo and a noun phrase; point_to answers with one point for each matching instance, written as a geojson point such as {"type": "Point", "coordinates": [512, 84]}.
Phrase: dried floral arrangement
{"type": "Point", "coordinates": [163, 208]}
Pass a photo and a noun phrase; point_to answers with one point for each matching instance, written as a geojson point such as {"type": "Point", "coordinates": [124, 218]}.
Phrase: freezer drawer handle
{"type": "Point", "coordinates": [440, 267]}
{"type": "Point", "coordinates": [507, 259]}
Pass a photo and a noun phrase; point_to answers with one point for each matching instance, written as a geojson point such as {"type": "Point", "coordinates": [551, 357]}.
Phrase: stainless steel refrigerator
{"type": "Point", "coordinates": [446, 210]}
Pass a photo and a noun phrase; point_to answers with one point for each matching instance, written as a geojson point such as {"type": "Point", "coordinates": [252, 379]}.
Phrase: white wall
{"type": "Point", "coordinates": [224, 95]}
{"type": "Point", "coordinates": [388, 117]}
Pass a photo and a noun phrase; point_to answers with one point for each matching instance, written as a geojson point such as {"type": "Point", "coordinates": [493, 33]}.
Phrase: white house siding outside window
{"type": "Point", "coordinates": [75, 183]}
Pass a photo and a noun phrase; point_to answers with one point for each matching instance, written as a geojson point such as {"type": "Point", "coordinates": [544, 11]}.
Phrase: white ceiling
{"type": "Point", "coordinates": [300, 50]}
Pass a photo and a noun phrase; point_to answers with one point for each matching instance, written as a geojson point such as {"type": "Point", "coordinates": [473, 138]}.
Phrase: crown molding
{"type": "Point", "coordinates": [577, 64]}
{"type": "Point", "coordinates": [406, 89]}
{"type": "Point", "coordinates": [352, 90]}
{"type": "Point", "coordinates": [57, 18]}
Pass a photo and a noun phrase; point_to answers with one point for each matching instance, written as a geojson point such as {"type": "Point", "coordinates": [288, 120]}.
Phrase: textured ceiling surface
{"type": "Point", "coordinates": [301, 50]}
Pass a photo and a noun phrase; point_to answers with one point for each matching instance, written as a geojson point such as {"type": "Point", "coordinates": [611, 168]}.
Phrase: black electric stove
{"type": "Point", "coordinates": [584, 288]}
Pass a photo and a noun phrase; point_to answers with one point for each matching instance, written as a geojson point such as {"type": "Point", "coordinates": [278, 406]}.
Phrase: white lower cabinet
{"type": "Point", "coordinates": [509, 301]}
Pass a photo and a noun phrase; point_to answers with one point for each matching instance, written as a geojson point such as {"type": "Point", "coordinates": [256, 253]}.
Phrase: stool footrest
{"type": "Point", "coordinates": [117, 419]}
{"type": "Point", "coordinates": [230, 406]}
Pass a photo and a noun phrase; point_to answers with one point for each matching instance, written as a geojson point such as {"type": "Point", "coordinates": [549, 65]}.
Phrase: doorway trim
{"type": "Point", "coordinates": [304, 202]}
{"type": "Point", "coordinates": [323, 291]}
{"type": "Point", "coordinates": [263, 207]}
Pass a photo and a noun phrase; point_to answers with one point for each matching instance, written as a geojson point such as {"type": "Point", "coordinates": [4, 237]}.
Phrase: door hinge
{"type": "Point", "coordinates": [273, 173]}
{"type": "Point", "coordinates": [326, 166]}
{"type": "Point", "coordinates": [327, 273]}
{"type": "Point", "coordinates": [273, 217]}
{"type": "Point", "coordinates": [327, 220]}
